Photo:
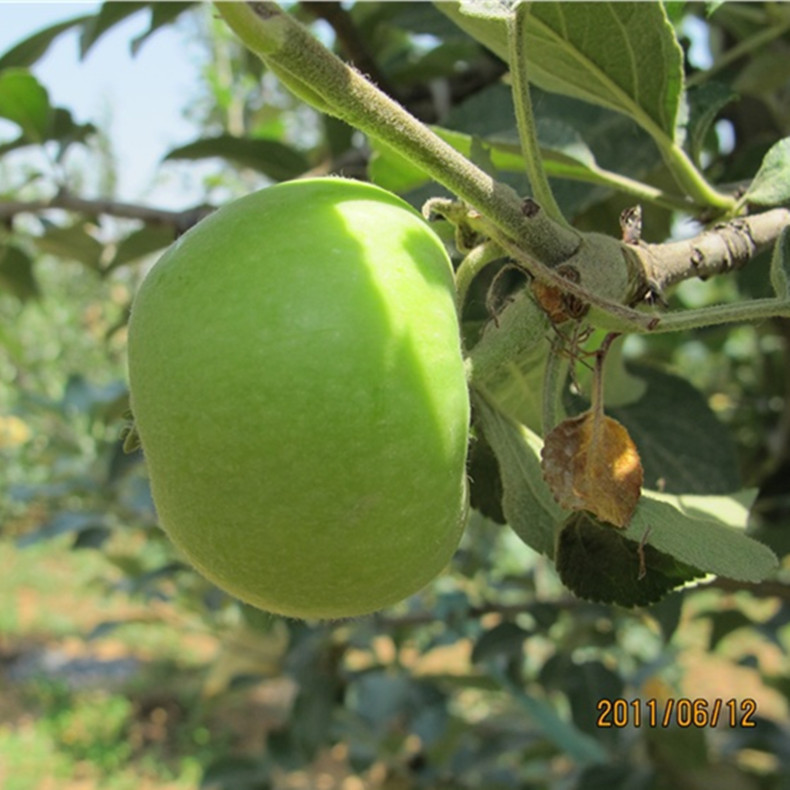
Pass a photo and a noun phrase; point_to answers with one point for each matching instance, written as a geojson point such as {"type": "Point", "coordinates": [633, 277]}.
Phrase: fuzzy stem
{"type": "Point", "coordinates": [741, 312]}
{"type": "Point", "coordinates": [553, 385]}
{"type": "Point", "coordinates": [325, 81]}
{"type": "Point", "coordinates": [525, 119]}
{"type": "Point", "coordinates": [689, 178]}
{"type": "Point", "coordinates": [470, 267]}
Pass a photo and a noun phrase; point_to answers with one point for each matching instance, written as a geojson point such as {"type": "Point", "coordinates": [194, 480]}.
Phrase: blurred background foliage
{"type": "Point", "coordinates": [120, 667]}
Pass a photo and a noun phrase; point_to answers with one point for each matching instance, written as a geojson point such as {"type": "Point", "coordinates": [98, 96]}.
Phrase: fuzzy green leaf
{"type": "Point", "coordinates": [598, 563]}
{"type": "Point", "coordinates": [577, 745]}
{"type": "Point", "coordinates": [705, 532]}
{"type": "Point", "coordinates": [528, 505]}
{"type": "Point", "coordinates": [780, 265]}
{"type": "Point", "coordinates": [771, 185]}
{"type": "Point", "coordinates": [682, 451]}
{"type": "Point", "coordinates": [687, 532]}
{"type": "Point", "coordinates": [622, 55]}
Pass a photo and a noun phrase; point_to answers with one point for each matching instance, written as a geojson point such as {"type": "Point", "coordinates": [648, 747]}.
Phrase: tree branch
{"type": "Point", "coordinates": [723, 248]}
{"type": "Point", "coordinates": [180, 221]}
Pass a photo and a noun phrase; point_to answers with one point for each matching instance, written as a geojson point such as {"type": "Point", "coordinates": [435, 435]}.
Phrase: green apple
{"type": "Point", "coordinates": [299, 391]}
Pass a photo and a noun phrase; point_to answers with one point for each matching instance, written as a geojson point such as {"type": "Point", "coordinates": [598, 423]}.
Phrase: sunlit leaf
{"type": "Point", "coordinates": [24, 100]}
{"type": "Point", "coordinates": [771, 185]}
{"type": "Point", "coordinates": [706, 532]}
{"type": "Point", "coordinates": [14, 432]}
{"type": "Point", "coordinates": [621, 55]}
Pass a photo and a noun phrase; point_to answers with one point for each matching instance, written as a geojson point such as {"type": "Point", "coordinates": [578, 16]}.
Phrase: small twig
{"type": "Point", "coordinates": [179, 220]}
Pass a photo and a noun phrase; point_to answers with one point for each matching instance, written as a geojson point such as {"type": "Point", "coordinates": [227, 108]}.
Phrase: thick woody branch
{"type": "Point", "coordinates": [180, 221]}
{"type": "Point", "coordinates": [723, 248]}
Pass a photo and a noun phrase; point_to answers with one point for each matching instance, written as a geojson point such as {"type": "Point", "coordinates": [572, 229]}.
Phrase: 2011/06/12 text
{"type": "Point", "coordinates": [683, 712]}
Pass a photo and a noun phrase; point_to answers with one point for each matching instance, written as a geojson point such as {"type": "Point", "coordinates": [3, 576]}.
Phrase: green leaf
{"type": "Point", "coordinates": [705, 103]}
{"type": "Point", "coordinates": [505, 639]}
{"type": "Point", "coordinates": [16, 274]}
{"type": "Point", "coordinates": [142, 242]}
{"type": "Point", "coordinates": [596, 138]}
{"type": "Point", "coordinates": [724, 623]}
{"type": "Point", "coordinates": [682, 534]}
{"type": "Point", "coordinates": [484, 22]}
{"type": "Point", "coordinates": [705, 532]}
{"type": "Point", "coordinates": [24, 101]}
{"type": "Point", "coordinates": [66, 130]}
{"type": "Point", "coordinates": [393, 172]}
{"type": "Point", "coordinates": [622, 55]}
{"type": "Point", "coordinates": [73, 243]}
{"type": "Point", "coordinates": [109, 15]}
{"type": "Point", "coordinates": [565, 155]}
{"type": "Point", "coordinates": [597, 562]}
{"type": "Point", "coordinates": [30, 50]}
{"type": "Point", "coordinates": [527, 503]}
{"type": "Point", "coordinates": [780, 265]}
{"type": "Point", "coordinates": [62, 129]}
{"type": "Point", "coordinates": [233, 772]}
{"type": "Point", "coordinates": [575, 744]}
{"type": "Point", "coordinates": [771, 185]}
{"type": "Point", "coordinates": [585, 683]}
{"type": "Point", "coordinates": [688, 450]}
{"type": "Point", "coordinates": [485, 483]}
{"type": "Point", "coordinates": [161, 14]}
{"type": "Point", "coordinates": [62, 523]}
{"type": "Point", "coordinates": [274, 159]}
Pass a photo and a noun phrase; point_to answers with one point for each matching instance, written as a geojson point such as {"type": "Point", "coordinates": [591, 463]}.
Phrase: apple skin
{"type": "Point", "coordinates": [299, 390]}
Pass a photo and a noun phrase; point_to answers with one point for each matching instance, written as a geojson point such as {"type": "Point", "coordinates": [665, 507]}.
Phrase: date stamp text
{"type": "Point", "coordinates": [681, 712]}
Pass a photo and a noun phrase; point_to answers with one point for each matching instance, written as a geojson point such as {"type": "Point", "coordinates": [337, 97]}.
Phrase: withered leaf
{"type": "Point", "coordinates": [591, 463]}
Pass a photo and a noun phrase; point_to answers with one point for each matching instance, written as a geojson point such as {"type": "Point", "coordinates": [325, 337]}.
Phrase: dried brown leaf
{"type": "Point", "coordinates": [591, 463]}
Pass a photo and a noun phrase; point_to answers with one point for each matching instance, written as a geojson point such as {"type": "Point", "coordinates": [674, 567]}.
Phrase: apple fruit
{"type": "Point", "coordinates": [299, 391]}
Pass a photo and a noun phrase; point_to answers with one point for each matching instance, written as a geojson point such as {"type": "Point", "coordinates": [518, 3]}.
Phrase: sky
{"type": "Point", "coordinates": [142, 96]}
